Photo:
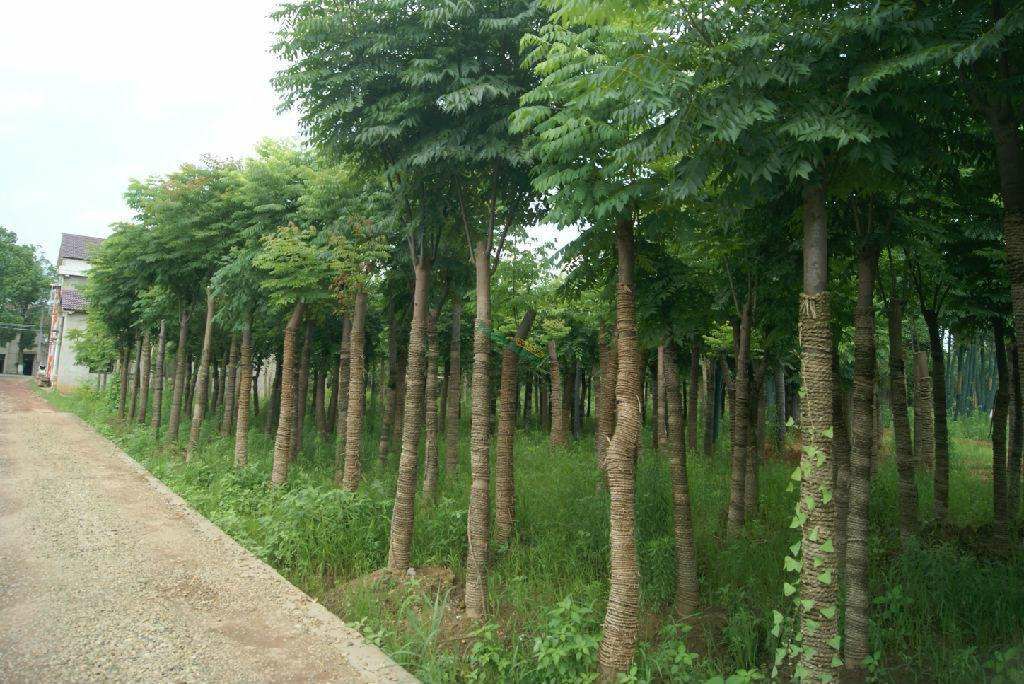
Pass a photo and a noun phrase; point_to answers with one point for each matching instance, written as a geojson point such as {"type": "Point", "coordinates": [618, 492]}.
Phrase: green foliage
{"type": "Point", "coordinates": [24, 286]}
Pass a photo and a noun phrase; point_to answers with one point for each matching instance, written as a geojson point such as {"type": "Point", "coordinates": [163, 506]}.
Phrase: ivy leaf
{"type": "Point", "coordinates": [829, 612]}
{"type": "Point", "coordinates": [825, 577]}
{"type": "Point", "coordinates": [827, 547]}
{"type": "Point", "coordinates": [835, 642]}
{"type": "Point", "coordinates": [788, 589]}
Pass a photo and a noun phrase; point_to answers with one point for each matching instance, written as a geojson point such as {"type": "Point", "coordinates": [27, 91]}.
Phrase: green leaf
{"type": "Point", "coordinates": [788, 589]}
{"type": "Point", "coordinates": [829, 612]}
{"type": "Point", "coordinates": [825, 577]}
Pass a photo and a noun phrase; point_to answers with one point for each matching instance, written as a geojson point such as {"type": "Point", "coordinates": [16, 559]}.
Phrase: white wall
{"type": "Point", "coordinates": [68, 373]}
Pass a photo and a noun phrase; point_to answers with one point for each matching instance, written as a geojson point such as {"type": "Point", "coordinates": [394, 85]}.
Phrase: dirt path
{"type": "Point", "coordinates": [107, 575]}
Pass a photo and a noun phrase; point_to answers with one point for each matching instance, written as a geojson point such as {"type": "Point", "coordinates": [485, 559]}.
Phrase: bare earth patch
{"type": "Point", "coordinates": [107, 575]}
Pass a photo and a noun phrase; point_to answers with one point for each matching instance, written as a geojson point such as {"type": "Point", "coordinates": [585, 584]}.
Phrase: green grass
{"type": "Point", "coordinates": [945, 610]}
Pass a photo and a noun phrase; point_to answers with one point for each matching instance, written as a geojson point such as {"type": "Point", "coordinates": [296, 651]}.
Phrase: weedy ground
{"type": "Point", "coordinates": [947, 609]}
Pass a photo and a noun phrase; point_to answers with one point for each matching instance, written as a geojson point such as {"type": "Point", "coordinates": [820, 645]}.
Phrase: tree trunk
{"type": "Point", "coordinates": [478, 518]}
{"type": "Point", "coordinates": [302, 392]}
{"type": "Point", "coordinates": [924, 433]}
{"type": "Point", "coordinates": [619, 635]}
{"type": "Point", "coordinates": [858, 597]}
{"type": "Point", "coordinates": [270, 422]}
{"type": "Point", "coordinates": [1005, 123]}
{"type": "Point", "coordinates": [1000, 531]}
{"type": "Point", "coordinates": [559, 436]}
{"type": "Point", "coordinates": [840, 465]}
{"type": "Point", "coordinates": [144, 370]}
{"type": "Point", "coordinates": [355, 408]}
{"type": "Point", "coordinates": [340, 403]}
{"type": "Point", "coordinates": [739, 417]}
{"type": "Point", "coordinates": [180, 370]}
{"type": "Point", "coordinates": [136, 376]}
{"type": "Point", "coordinates": [606, 410]}
{"type": "Point", "coordinates": [122, 397]}
{"type": "Point", "coordinates": [244, 395]}
{"type": "Point", "coordinates": [1013, 458]}
{"type": "Point", "coordinates": [286, 413]}
{"type": "Point", "coordinates": [504, 486]}
{"type": "Point", "coordinates": [391, 384]}
{"type": "Point", "coordinates": [658, 397]}
{"type": "Point", "coordinates": [941, 471]}
{"type": "Point", "coordinates": [527, 401]}
{"type": "Point", "coordinates": [227, 421]}
{"type": "Point", "coordinates": [755, 424]}
{"type": "Point", "coordinates": [819, 524]}
{"type": "Point", "coordinates": [709, 407]}
{"type": "Point", "coordinates": [199, 405]}
{"type": "Point", "coordinates": [319, 402]}
{"type": "Point", "coordinates": [691, 399]}
{"type": "Point", "coordinates": [686, 600]}
{"type": "Point", "coordinates": [901, 423]}
{"type": "Point", "coordinates": [399, 422]}
{"type": "Point", "coordinates": [430, 458]}
{"type": "Point", "coordinates": [158, 381]}
{"type": "Point", "coordinates": [453, 403]}
{"type": "Point", "coordinates": [400, 546]}
{"type": "Point", "coordinates": [780, 405]}
{"type": "Point", "coordinates": [577, 400]}
{"type": "Point", "coordinates": [335, 390]}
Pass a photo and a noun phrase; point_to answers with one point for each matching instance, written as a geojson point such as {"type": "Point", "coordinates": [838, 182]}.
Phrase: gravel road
{"type": "Point", "coordinates": [106, 575]}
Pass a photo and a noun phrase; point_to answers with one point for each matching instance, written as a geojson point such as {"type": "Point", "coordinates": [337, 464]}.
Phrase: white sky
{"type": "Point", "coordinates": [93, 94]}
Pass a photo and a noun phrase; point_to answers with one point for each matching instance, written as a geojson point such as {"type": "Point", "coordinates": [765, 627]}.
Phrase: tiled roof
{"type": "Point", "coordinates": [76, 246]}
{"type": "Point", "coordinates": [72, 300]}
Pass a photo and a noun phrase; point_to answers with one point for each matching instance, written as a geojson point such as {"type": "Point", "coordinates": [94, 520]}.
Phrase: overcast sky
{"type": "Point", "coordinates": [94, 94]}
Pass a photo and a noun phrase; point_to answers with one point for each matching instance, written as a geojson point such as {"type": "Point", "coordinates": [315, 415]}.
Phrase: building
{"type": "Point", "coordinates": [67, 313]}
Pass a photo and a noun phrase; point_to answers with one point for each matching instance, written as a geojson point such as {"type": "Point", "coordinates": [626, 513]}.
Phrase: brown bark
{"type": "Point", "coordinates": [453, 402]}
{"type": "Point", "coordinates": [478, 517]}
{"type": "Point", "coordinates": [1013, 457]}
{"type": "Point", "coordinates": [740, 422]}
{"type": "Point", "coordinates": [202, 380]}
{"type": "Point", "coordinates": [180, 370]}
{"type": "Point", "coordinates": [686, 599]}
{"type": "Point", "coordinates": [340, 403]}
{"type": "Point", "coordinates": [924, 433]}
{"type": "Point", "coordinates": [819, 523]}
{"type": "Point", "coordinates": [941, 471]}
{"type": "Point", "coordinates": [356, 404]}
{"type": "Point", "coordinates": [901, 423]}
{"type": "Point", "coordinates": [840, 465]}
{"type": "Point", "coordinates": [1000, 530]}
{"type": "Point", "coordinates": [619, 635]}
{"type": "Point", "coordinates": [1005, 123]}
{"type": "Point", "coordinates": [400, 545]}
{"type": "Point", "coordinates": [559, 436]}
{"type": "Point", "coordinates": [332, 405]}
{"type": "Point", "coordinates": [144, 371]}
{"type": "Point", "coordinates": [504, 486]}
{"type": "Point", "coordinates": [658, 397]}
{"type": "Point", "coordinates": [320, 402]}
{"type": "Point", "coordinates": [691, 400]}
{"type": "Point", "coordinates": [156, 414]}
{"type": "Point", "coordinates": [858, 597]}
{"type": "Point", "coordinates": [755, 424]}
{"type": "Point", "coordinates": [390, 388]}
{"type": "Point", "coordinates": [270, 421]}
{"type": "Point", "coordinates": [606, 408]}
{"type": "Point", "coordinates": [122, 397]}
{"type": "Point", "coordinates": [135, 378]}
{"type": "Point", "coordinates": [244, 395]}
{"type": "Point", "coordinates": [709, 408]}
{"type": "Point", "coordinates": [286, 414]}
{"type": "Point", "coordinates": [302, 392]}
{"type": "Point", "coordinates": [430, 458]}
{"type": "Point", "coordinates": [227, 421]}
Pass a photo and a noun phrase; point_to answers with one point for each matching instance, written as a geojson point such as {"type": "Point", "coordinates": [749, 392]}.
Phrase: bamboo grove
{"type": "Point", "coordinates": [808, 214]}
